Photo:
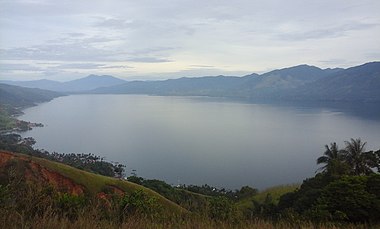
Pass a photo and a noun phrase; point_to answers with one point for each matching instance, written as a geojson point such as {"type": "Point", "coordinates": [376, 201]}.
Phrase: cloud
{"type": "Point", "coordinates": [373, 55]}
{"type": "Point", "coordinates": [18, 67]}
{"type": "Point", "coordinates": [113, 23]}
{"type": "Point", "coordinates": [201, 66]}
{"type": "Point", "coordinates": [148, 60]}
{"type": "Point", "coordinates": [85, 49]}
{"type": "Point", "coordinates": [115, 67]}
{"type": "Point", "coordinates": [54, 52]}
{"type": "Point", "coordinates": [79, 66]}
{"type": "Point", "coordinates": [76, 34]}
{"type": "Point", "coordinates": [303, 34]}
{"type": "Point", "coordinates": [91, 66]}
{"type": "Point", "coordinates": [151, 50]}
{"type": "Point", "coordinates": [337, 63]}
{"type": "Point", "coordinates": [64, 49]}
{"type": "Point", "coordinates": [155, 37]}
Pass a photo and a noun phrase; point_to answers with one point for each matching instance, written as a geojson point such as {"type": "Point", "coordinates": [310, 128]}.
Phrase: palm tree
{"type": "Point", "coordinates": [356, 157]}
{"type": "Point", "coordinates": [332, 158]}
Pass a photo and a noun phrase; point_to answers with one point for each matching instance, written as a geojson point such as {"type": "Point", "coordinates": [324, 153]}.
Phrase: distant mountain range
{"type": "Point", "coordinates": [303, 82]}
{"type": "Point", "coordinates": [253, 85]}
{"type": "Point", "coordinates": [299, 83]}
{"type": "Point", "coordinates": [84, 84]}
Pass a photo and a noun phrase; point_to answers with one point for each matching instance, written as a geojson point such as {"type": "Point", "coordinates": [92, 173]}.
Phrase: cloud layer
{"type": "Point", "coordinates": [169, 39]}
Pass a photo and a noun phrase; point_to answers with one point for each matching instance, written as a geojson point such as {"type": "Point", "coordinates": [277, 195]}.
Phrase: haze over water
{"type": "Point", "coordinates": [195, 140]}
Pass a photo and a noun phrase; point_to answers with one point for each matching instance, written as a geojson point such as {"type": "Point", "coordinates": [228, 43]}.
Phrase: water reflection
{"type": "Point", "coordinates": [197, 140]}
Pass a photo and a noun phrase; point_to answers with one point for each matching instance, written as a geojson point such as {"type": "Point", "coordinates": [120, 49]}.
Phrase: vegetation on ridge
{"type": "Point", "coordinates": [88, 162]}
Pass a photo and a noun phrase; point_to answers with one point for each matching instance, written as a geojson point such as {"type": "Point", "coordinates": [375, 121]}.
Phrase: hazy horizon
{"type": "Point", "coordinates": [195, 76]}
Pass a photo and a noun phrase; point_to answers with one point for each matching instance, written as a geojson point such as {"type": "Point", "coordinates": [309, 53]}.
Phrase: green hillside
{"type": "Point", "coordinates": [21, 97]}
{"type": "Point", "coordinates": [271, 194]}
{"type": "Point", "coordinates": [94, 183]}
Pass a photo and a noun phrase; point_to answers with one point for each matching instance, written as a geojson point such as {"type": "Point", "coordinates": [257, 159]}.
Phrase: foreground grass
{"type": "Point", "coordinates": [28, 205]}
{"type": "Point", "coordinates": [91, 222]}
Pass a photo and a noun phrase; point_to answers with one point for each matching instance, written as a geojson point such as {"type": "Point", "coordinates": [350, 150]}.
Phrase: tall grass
{"type": "Point", "coordinates": [89, 221]}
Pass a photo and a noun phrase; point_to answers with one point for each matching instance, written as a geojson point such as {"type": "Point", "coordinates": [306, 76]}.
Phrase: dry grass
{"type": "Point", "coordinates": [88, 221]}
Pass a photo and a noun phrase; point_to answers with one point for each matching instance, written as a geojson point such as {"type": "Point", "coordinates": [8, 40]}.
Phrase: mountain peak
{"type": "Point", "coordinates": [91, 82]}
{"type": "Point", "coordinates": [302, 71]}
{"type": "Point", "coordinates": [93, 76]}
{"type": "Point", "coordinates": [303, 67]}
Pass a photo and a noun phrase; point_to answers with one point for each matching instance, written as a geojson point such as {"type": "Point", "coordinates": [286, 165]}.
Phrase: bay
{"type": "Point", "coordinates": [199, 140]}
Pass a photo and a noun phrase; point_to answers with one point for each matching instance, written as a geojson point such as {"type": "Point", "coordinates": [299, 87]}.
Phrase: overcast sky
{"type": "Point", "coordinates": [138, 39]}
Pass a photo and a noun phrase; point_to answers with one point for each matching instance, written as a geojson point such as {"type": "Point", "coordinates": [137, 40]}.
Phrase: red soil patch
{"type": "Point", "coordinates": [106, 197]}
{"type": "Point", "coordinates": [57, 180]}
{"type": "Point", "coordinates": [117, 190]}
{"type": "Point", "coordinates": [42, 175]}
{"type": "Point", "coordinates": [5, 157]}
{"type": "Point", "coordinates": [37, 173]}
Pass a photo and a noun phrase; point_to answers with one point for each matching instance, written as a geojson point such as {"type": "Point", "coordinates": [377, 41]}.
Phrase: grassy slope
{"type": "Point", "coordinates": [276, 192]}
{"type": "Point", "coordinates": [6, 120]}
{"type": "Point", "coordinates": [94, 183]}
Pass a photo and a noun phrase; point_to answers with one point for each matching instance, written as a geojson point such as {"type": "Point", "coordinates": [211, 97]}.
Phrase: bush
{"type": "Point", "coordinates": [347, 198]}
{"type": "Point", "coordinates": [221, 208]}
{"type": "Point", "coordinates": [69, 205]}
{"type": "Point", "coordinates": [139, 203]}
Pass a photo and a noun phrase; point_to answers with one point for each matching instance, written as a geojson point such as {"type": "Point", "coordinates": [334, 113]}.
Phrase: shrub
{"type": "Point", "coordinates": [69, 205]}
{"type": "Point", "coordinates": [139, 203]}
{"type": "Point", "coordinates": [221, 208]}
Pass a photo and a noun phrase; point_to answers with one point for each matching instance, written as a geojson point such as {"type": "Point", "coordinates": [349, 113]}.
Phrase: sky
{"type": "Point", "coordinates": [148, 40]}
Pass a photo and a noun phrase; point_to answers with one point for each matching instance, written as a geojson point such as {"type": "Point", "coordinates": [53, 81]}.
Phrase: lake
{"type": "Point", "coordinates": [199, 140]}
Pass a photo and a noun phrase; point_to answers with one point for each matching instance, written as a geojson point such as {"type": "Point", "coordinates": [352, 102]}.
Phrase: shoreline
{"type": "Point", "coordinates": [12, 114]}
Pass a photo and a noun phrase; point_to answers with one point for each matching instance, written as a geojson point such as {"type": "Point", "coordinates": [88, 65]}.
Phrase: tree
{"type": "Point", "coordinates": [333, 160]}
{"type": "Point", "coordinates": [245, 192]}
{"type": "Point", "coordinates": [349, 198]}
{"type": "Point", "coordinates": [139, 202]}
{"type": "Point", "coordinates": [221, 208]}
{"type": "Point", "coordinates": [359, 161]}
{"type": "Point", "coordinates": [376, 160]}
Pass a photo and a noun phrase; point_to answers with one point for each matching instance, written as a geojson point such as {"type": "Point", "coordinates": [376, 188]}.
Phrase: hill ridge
{"type": "Point", "coordinates": [77, 181]}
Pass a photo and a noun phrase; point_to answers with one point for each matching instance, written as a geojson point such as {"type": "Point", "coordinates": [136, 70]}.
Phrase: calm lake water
{"type": "Point", "coordinates": [194, 140]}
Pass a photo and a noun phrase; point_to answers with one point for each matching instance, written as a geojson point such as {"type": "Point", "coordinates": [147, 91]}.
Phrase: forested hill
{"type": "Point", "coordinates": [360, 83]}
{"type": "Point", "coordinates": [301, 82]}
{"type": "Point", "coordinates": [19, 96]}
